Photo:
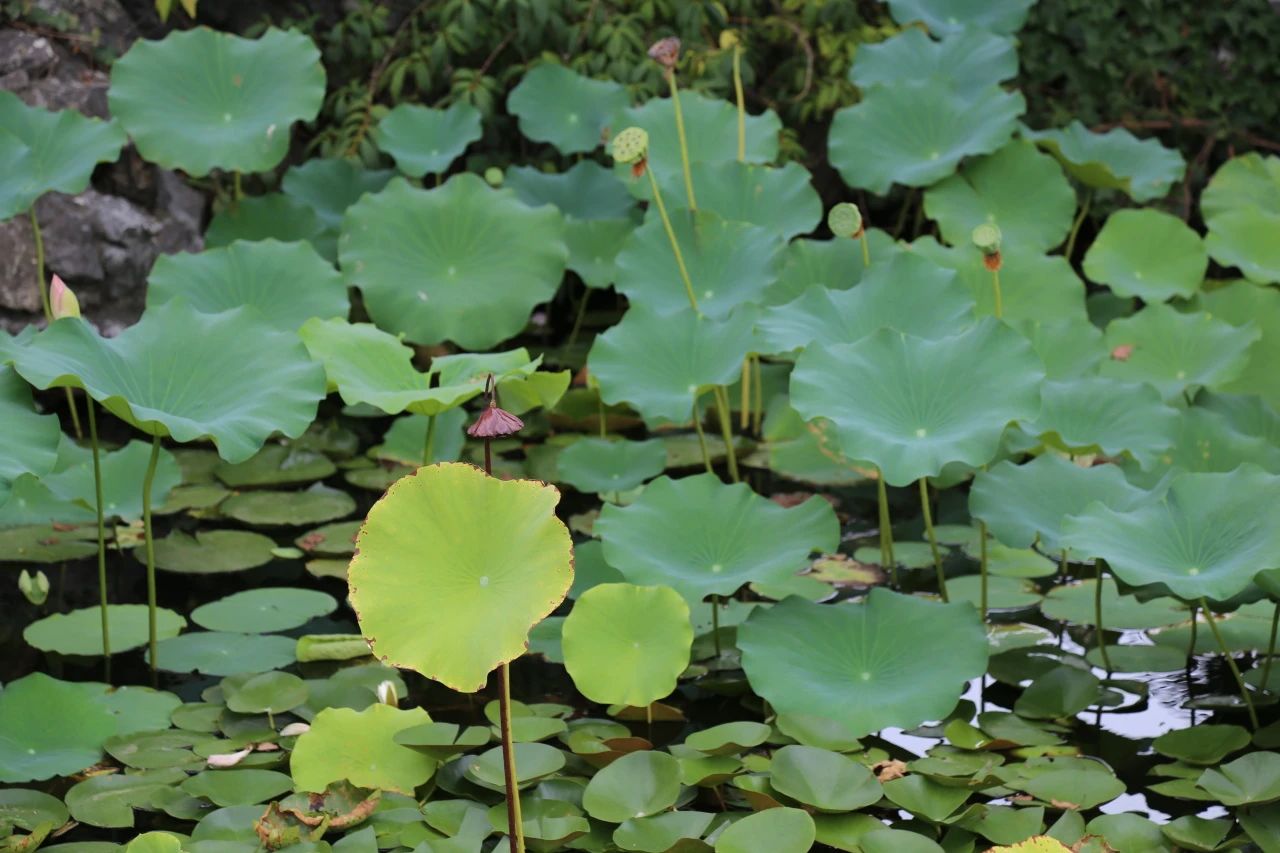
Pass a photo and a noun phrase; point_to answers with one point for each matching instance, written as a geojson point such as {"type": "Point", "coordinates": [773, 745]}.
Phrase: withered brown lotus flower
{"type": "Point", "coordinates": [666, 52]}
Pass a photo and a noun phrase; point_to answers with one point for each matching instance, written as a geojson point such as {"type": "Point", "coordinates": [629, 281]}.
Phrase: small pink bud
{"type": "Point", "coordinates": [62, 300]}
{"type": "Point", "coordinates": [1122, 352]}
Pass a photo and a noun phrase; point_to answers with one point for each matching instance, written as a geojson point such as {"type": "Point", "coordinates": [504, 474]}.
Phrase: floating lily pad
{"type": "Point", "coordinates": [779, 830]}
{"type": "Point", "coordinates": [338, 538]}
{"type": "Point", "coordinates": [1241, 211]}
{"type": "Point", "coordinates": [636, 785]}
{"type": "Point", "coordinates": [238, 787]}
{"type": "Point", "coordinates": [109, 801]}
{"type": "Point", "coordinates": [1149, 254]}
{"type": "Point", "coordinates": [276, 465]}
{"type": "Point", "coordinates": [1252, 778]}
{"type": "Point", "coordinates": [211, 551]}
{"type": "Point", "coordinates": [264, 610]}
{"type": "Point", "coordinates": [1142, 168]}
{"type": "Point", "coordinates": [49, 728]}
{"type": "Point", "coordinates": [971, 60]}
{"type": "Point", "coordinates": [200, 99]}
{"type": "Point", "coordinates": [662, 832]}
{"type": "Point", "coordinates": [219, 653]}
{"type": "Point", "coordinates": [949, 16]}
{"type": "Point", "coordinates": [1204, 744]}
{"type": "Point", "coordinates": [825, 780]}
{"type": "Point", "coordinates": [598, 465]}
{"type": "Point", "coordinates": [360, 747]}
{"type": "Point", "coordinates": [1100, 415]}
{"type": "Point", "coordinates": [425, 141]}
{"type": "Point", "coordinates": [80, 631]}
{"type": "Point", "coordinates": [31, 439]}
{"type": "Point", "coordinates": [572, 112]}
{"type": "Point", "coordinates": [310, 506]}
{"type": "Point", "coordinates": [1003, 593]}
{"type": "Point", "coordinates": [123, 471]}
{"type": "Point", "coordinates": [46, 544]}
{"type": "Point", "coordinates": [263, 692]}
{"type": "Point", "coordinates": [780, 199]}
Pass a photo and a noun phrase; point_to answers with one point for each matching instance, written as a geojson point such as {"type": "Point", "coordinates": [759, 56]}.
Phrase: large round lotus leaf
{"type": "Point", "coordinates": [825, 780]}
{"type": "Point", "coordinates": [907, 293]}
{"type": "Point", "coordinates": [729, 263]}
{"type": "Point", "coordinates": [219, 653]}
{"type": "Point", "coordinates": [911, 406]}
{"type": "Point", "coordinates": [836, 264]}
{"type": "Point", "coordinates": [138, 709]}
{"type": "Point", "coordinates": [950, 16]}
{"type": "Point", "coordinates": [585, 191]}
{"type": "Point", "coordinates": [109, 801]}
{"type": "Point", "coordinates": [778, 830]}
{"type": "Point", "coordinates": [438, 591]}
{"type": "Point", "coordinates": [1178, 352]}
{"type": "Point", "coordinates": [1117, 159]}
{"type": "Point", "coordinates": [1241, 207]}
{"type": "Point", "coordinates": [211, 551]}
{"type": "Point", "coordinates": [1018, 189]}
{"type": "Point", "coordinates": [970, 60]}
{"type": "Point", "coordinates": [1207, 442]}
{"type": "Point", "coordinates": [462, 262]}
{"type": "Point", "coordinates": [264, 610]}
{"type": "Point", "coordinates": [1208, 535]}
{"type": "Point", "coordinates": [274, 216]}
{"type": "Point", "coordinates": [915, 134]}
{"type": "Point", "coordinates": [662, 381]}
{"type": "Point", "coordinates": [31, 440]}
{"type": "Point", "coordinates": [1149, 254]}
{"type": "Point", "coordinates": [781, 199]}
{"type": "Point", "coordinates": [702, 537]}
{"type": "Point", "coordinates": [1097, 414]}
{"type": "Point", "coordinates": [200, 99]}
{"type": "Point", "coordinates": [288, 282]}
{"type": "Point", "coordinates": [49, 728]}
{"type": "Point", "coordinates": [1204, 744]}
{"type": "Point", "coordinates": [45, 151]}
{"type": "Point", "coordinates": [1241, 303]}
{"type": "Point", "coordinates": [598, 465]}
{"type": "Point", "coordinates": [123, 471]}
{"type": "Point", "coordinates": [329, 187]}
{"type": "Point", "coordinates": [180, 373]}
{"type": "Point", "coordinates": [1033, 286]}
{"type": "Point", "coordinates": [276, 465]}
{"type": "Point", "coordinates": [1069, 349]}
{"type": "Point", "coordinates": [310, 506]}
{"type": "Point", "coordinates": [849, 662]}
{"type": "Point", "coordinates": [238, 787]}
{"type": "Point", "coordinates": [80, 631]}
{"type": "Point", "coordinates": [359, 747]}
{"type": "Point", "coordinates": [566, 109]}
{"type": "Point", "coordinates": [626, 644]}
{"type": "Point", "coordinates": [424, 141]}
{"type": "Point", "coordinates": [638, 784]}
{"type": "Point", "coordinates": [1025, 504]}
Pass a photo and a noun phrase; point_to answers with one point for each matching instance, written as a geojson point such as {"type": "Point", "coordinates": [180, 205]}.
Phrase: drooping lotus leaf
{"type": "Point", "coordinates": [916, 133]}
{"type": "Point", "coordinates": [806, 452]}
{"type": "Point", "coordinates": [1017, 188]}
{"type": "Point", "coordinates": [949, 16]}
{"type": "Point", "coordinates": [329, 187]}
{"type": "Point", "coordinates": [426, 141]}
{"type": "Point", "coordinates": [1142, 168]}
{"type": "Point", "coordinates": [661, 381]}
{"type": "Point", "coordinates": [729, 263]}
{"type": "Point", "coordinates": [702, 537]}
{"type": "Point", "coordinates": [1243, 303]}
{"type": "Point", "coordinates": [295, 509]}
{"type": "Point", "coordinates": [274, 216]}
{"type": "Point", "coordinates": [846, 663]}
{"type": "Point", "coordinates": [638, 784]}
{"type": "Point", "coordinates": [626, 644]}
{"type": "Point", "coordinates": [779, 830]}
{"type": "Point", "coordinates": [971, 60]}
{"type": "Point", "coordinates": [907, 292]}
{"type": "Point", "coordinates": [1178, 352]}
{"type": "Point", "coordinates": [288, 282]}
{"type": "Point", "coordinates": [572, 112]}
{"type": "Point", "coordinates": [1241, 207]}
{"type": "Point", "coordinates": [461, 262]}
{"type": "Point", "coordinates": [781, 199]}
{"type": "Point", "coordinates": [911, 406]}
{"type": "Point", "coordinates": [31, 440]}
{"type": "Point", "coordinates": [180, 373]}
{"type": "Point", "coordinates": [1023, 504]}
{"type": "Point", "coordinates": [598, 465]}
{"type": "Point", "coordinates": [836, 264]}
{"type": "Point", "coordinates": [222, 653]}
{"type": "Point", "coordinates": [123, 471]}
{"type": "Point", "coordinates": [49, 728]}
{"type": "Point", "coordinates": [1097, 414]}
{"type": "Point", "coordinates": [45, 151]}
{"type": "Point", "coordinates": [1033, 286]}
{"type": "Point", "coordinates": [359, 747]}
{"type": "Point", "coordinates": [263, 610]}
{"type": "Point", "coordinates": [200, 99]}
{"type": "Point", "coordinates": [1207, 536]}
{"type": "Point", "coordinates": [80, 631]}
{"type": "Point", "coordinates": [1069, 349]}
{"type": "Point", "coordinates": [211, 551]}
{"type": "Point", "coordinates": [1149, 254]}
{"type": "Point", "coordinates": [434, 534]}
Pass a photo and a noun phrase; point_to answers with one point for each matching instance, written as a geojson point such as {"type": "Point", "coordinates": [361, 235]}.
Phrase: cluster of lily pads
{"type": "Point", "coordinates": [859, 529]}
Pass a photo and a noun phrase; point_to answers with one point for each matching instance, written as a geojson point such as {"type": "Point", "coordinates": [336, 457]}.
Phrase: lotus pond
{"type": "Point", "coordinates": [637, 497]}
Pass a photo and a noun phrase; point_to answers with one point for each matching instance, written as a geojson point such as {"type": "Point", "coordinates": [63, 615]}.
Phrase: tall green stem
{"type": "Point", "coordinates": [1075, 226]}
{"type": "Point", "coordinates": [1231, 662]}
{"type": "Point", "coordinates": [1097, 617]}
{"type": "Point", "coordinates": [675, 244]}
{"type": "Point", "coordinates": [715, 624]}
{"type": "Point", "coordinates": [757, 417]}
{"type": "Point", "coordinates": [744, 416]}
{"type": "Point", "coordinates": [41, 285]}
{"type": "Point", "coordinates": [102, 541]}
{"type": "Point", "coordinates": [428, 445]}
{"type": "Point", "coordinates": [933, 539]}
{"type": "Point", "coordinates": [1063, 562]}
{"type": "Point", "coordinates": [702, 437]}
{"type": "Point", "coordinates": [577, 320]}
{"type": "Point", "coordinates": [742, 103]}
{"type": "Point", "coordinates": [152, 642]}
{"type": "Point", "coordinates": [995, 287]}
{"type": "Point", "coordinates": [684, 143]}
{"type": "Point", "coordinates": [515, 821]}
{"type": "Point", "coordinates": [983, 564]}
{"type": "Point", "coordinates": [726, 430]}
{"type": "Point", "coordinates": [886, 529]}
{"type": "Point", "coordinates": [1271, 648]}
{"type": "Point", "coordinates": [866, 250]}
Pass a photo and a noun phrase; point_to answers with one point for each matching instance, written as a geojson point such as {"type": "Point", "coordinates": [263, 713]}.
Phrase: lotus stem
{"type": "Point", "coordinates": [41, 287]}
{"type": "Point", "coordinates": [600, 416]}
{"type": "Point", "coordinates": [102, 543]}
{"type": "Point", "coordinates": [757, 417]}
{"type": "Point", "coordinates": [1063, 563]}
{"type": "Point", "coordinates": [744, 418]}
{"type": "Point", "coordinates": [1097, 617]}
{"type": "Point", "coordinates": [715, 624]}
{"type": "Point", "coordinates": [726, 430]}
{"type": "Point", "coordinates": [982, 565]}
{"type": "Point", "coordinates": [237, 191]}
{"type": "Point", "coordinates": [1271, 647]}
{"type": "Point", "coordinates": [886, 529]}
{"type": "Point", "coordinates": [675, 244]}
{"type": "Point", "coordinates": [702, 437]}
{"type": "Point", "coordinates": [1231, 662]}
{"type": "Point", "coordinates": [933, 539]}
{"type": "Point", "coordinates": [152, 643]}
{"type": "Point", "coordinates": [1075, 225]}
{"type": "Point", "coordinates": [1195, 622]}
{"type": "Point", "coordinates": [742, 103]}
{"type": "Point", "coordinates": [866, 250]}
{"type": "Point", "coordinates": [515, 824]}
{"type": "Point", "coordinates": [428, 445]}
{"type": "Point", "coordinates": [577, 320]}
{"type": "Point", "coordinates": [684, 143]}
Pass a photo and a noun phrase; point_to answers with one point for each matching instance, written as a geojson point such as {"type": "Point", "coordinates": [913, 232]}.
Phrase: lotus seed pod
{"type": "Point", "coordinates": [987, 238]}
{"type": "Point", "coordinates": [666, 52]}
{"type": "Point", "coordinates": [387, 694]}
{"type": "Point", "coordinates": [62, 300]}
{"type": "Point", "coordinates": [728, 39]}
{"type": "Point", "coordinates": [34, 587]}
{"type": "Point", "coordinates": [845, 220]}
{"type": "Point", "coordinates": [630, 145]}
{"type": "Point", "coordinates": [493, 176]}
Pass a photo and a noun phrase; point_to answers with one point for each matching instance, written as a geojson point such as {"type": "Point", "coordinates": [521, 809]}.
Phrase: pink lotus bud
{"type": "Point", "coordinates": [495, 423]}
{"type": "Point", "coordinates": [62, 299]}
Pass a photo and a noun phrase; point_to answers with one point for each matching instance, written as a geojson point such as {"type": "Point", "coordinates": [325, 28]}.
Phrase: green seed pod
{"type": "Point", "coordinates": [987, 238]}
{"type": "Point", "coordinates": [845, 220]}
{"type": "Point", "coordinates": [493, 176]}
{"type": "Point", "coordinates": [630, 145]}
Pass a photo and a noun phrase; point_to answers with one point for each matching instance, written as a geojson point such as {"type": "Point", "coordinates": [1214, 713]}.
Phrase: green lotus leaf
{"type": "Point", "coordinates": [1069, 349]}
{"type": "Point", "coordinates": [263, 693]}
{"type": "Point", "coordinates": [43, 543]}
{"type": "Point", "coordinates": [310, 506]}
{"type": "Point", "coordinates": [181, 373]}
{"type": "Point", "coordinates": [1033, 287]}
{"type": "Point", "coordinates": [586, 191]}
{"type": "Point", "coordinates": [916, 133]}
{"type": "Point", "coordinates": [572, 112]}
{"type": "Point", "coordinates": [626, 644]}
{"type": "Point", "coordinates": [729, 263]}
{"type": "Point", "coordinates": [1017, 188]}
{"type": "Point", "coordinates": [211, 551]}
{"type": "Point", "coordinates": [1246, 239]}
{"type": "Point", "coordinates": [1207, 536]}
{"type": "Point", "coordinates": [336, 539]}
{"type": "Point", "coordinates": [805, 451]}
{"type": "Point", "coordinates": [460, 262]}
{"type": "Point", "coordinates": [911, 406]}
{"type": "Point", "coordinates": [835, 264]}
{"type": "Point", "coordinates": [137, 709]}
{"type": "Point", "coordinates": [907, 293]}
{"type": "Point", "coordinates": [1097, 414]}
{"type": "Point", "coordinates": [200, 99]}
{"type": "Point", "coordinates": [273, 216]}
{"type": "Point", "coordinates": [638, 784]}
{"type": "Point", "coordinates": [1206, 442]}
{"type": "Point", "coordinates": [1204, 744]}
{"type": "Point", "coordinates": [359, 747]}
{"type": "Point", "coordinates": [971, 60]}
{"type": "Point", "coordinates": [109, 801]}
{"type": "Point", "coordinates": [31, 439]}
{"type": "Point", "coordinates": [702, 537]}
{"type": "Point", "coordinates": [950, 16]}
{"type": "Point", "coordinates": [1026, 504]}
{"type": "Point", "coordinates": [662, 832]}
{"type": "Point", "coordinates": [49, 728]}
{"type": "Point", "coordinates": [264, 610]}
{"type": "Point", "coordinates": [1191, 832]}
{"type": "Point", "coordinates": [1242, 303]}
{"type": "Point", "coordinates": [1060, 693]}
{"type": "Point", "coordinates": [729, 738]}
{"type": "Point", "coordinates": [1252, 778]}
{"type": "Point", "coordinates": [781, 199]}
{"type": "Point", "coordinates": [32, 503]}
{"type": "Point", "coordinates": [238, 787]}
{"type": "Point", "coordinates": [550, 823]}
{"type": "Point", "coordinates": [1116, 160]}
{"type": "Point", "coordinates": [778, 830]}
{"type": "Point", "coordinates": [80, 631]}
{"type": "Point", "coordinates": [1003, 593]}
{"type": "Point", "coordinates": [590, 568]}
{"type": "Point", "coordinates": [825, 780]}
{"type": "Point", "coordinates": [845, 662]}
{"type": "Point", "coordinates": [1241, 209]}
{"type": "Point", "coordinates": [598, 465]}
{"type": "Point", "coordinates": [329, 187]}
{"type": "Point", "coordinates": [1149, 254]}
{"type": "Point", "coordinates": [1178, 352]}
{"type": "Point", "coordinates": [276, 465]}
{"type": "Point", "coordinates": [220, 653]}
{"type": "Point", "coordinates": [405, 441]}
{"type": "Point", "coordinates": [43, 151]}
{"type": "Point", "coordinates": [533, 762]}
{"type": "Point", "coordinates": [661, 382]}
{"type": "Point", "coordinates": [1074, 788]}
{"type": "Point", "coordinates": [288, 282]}
{"type": "Point", "coordinates": [424, 141]}
{"type": "Point", "coordinates": [123, 471]}
{"type": "Point", "coordinates": [431, 535]}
